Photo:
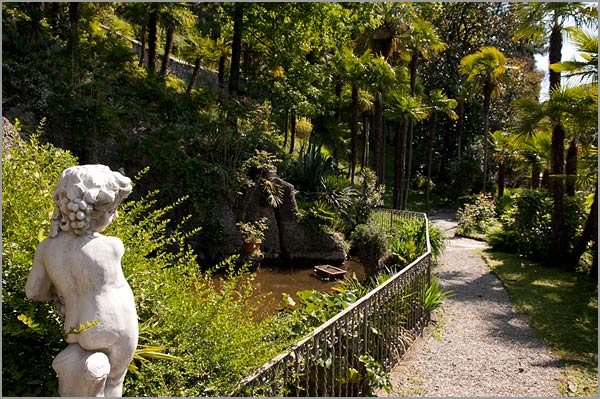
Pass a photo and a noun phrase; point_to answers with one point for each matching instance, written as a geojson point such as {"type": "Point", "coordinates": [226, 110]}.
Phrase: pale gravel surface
{"type": "Point", "coordinates": [481, 346]}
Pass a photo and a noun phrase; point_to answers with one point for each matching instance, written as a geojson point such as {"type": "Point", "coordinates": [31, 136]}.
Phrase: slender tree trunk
{"type": "Point", "coordinates": [167, 52]}
{"type": "Point", "coordinates": [501, 176]}
{"type": "Point", "coordinates": [152, 33]}
{"type": "Point", "coordinates": [589, 233]}
{"type": "Point", "coordinates": [545, 183]}
{"type": "Point", "coordinates": [557, 153]}
{"type": "Point", "coordinates": [364, 162]}
{"type": "Point", "coordinates": [432, 128]}
{"type": "Point", "coordinates": [413, 65]}
{"type": "Point", "coordinates": [74, 34]}
{"type": "Point", "coordinates": [378, 130]}
{"type": "Point", "coordinates": [460, 127]}
{"type": "Point", "coordinates": [399, 162]}
{"type": "Point", "coordinates": [236, 48]}
{"type": "Point", "coordinates": [353, 131]}
{"type": "Point", "coordinates": [54, 15]}
{"type": "Point", "coordinates": [293, 131]}
{"type": "Point", "coordinates": [571, 168]}
{"type": "Point", "coordinates": [409, 163]}
{"type": "Point", "coordinates": [487, 100]}
{"type": "Point", "coordinates": [558, 192]}
{"type": "Point", "coordinates": [535, 177]}
{"type": "Point", "coordinates": [194, 77]}
{"type": "Point", "coordinates": [221, 77]}
{"type": "Point", "coordinates": [286, 125]}
{"type": "Point", "coordinates": [143, 45]}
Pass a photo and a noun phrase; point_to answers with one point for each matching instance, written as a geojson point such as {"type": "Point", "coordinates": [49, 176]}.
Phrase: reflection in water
{"type": "Point", "coordinates": [274, 281]}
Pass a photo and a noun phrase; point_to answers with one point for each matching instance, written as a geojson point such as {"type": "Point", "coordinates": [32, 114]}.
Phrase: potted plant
{"type": "Point", "coordinates": [253, 233]}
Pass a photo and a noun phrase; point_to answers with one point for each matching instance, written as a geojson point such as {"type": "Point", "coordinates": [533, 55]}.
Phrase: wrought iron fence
{"type": "Point", "coordinates": [379, 327]}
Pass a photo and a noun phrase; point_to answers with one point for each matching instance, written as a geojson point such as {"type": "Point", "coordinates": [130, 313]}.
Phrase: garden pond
{"type": "Point", "coordinates": [274, 281]}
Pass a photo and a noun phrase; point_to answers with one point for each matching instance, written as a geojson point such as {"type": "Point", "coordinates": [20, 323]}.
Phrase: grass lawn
{"type": "Point", "coordinates": [562, 308]}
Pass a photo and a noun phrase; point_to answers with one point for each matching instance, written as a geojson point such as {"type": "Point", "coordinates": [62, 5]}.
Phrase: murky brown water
{"type": "Point", "coordinates": [274, 281]}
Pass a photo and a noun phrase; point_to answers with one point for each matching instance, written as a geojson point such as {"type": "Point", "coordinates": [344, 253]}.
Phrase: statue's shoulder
{"type": "Point", "coordinates": [108, 243]}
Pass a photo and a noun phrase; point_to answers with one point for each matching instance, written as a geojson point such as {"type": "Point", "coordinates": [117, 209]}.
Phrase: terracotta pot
{"type": "Point", "coordinates": [251, 247]}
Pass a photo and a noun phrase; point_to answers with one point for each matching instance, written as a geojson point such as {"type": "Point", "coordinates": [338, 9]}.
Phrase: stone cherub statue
{"type": "Point", "coordinates": [80, 270]}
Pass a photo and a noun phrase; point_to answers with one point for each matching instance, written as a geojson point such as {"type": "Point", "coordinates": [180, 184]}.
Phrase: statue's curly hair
{"type": "Point", "coordinates": [84, 193]}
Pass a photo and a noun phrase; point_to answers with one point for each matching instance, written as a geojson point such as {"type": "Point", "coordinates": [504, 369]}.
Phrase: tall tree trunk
{"type": "Point", "coordinates": [167, 52]}
{"type": "Point", "coordinates": [378, 130]}
{"type": "Point", "coordinates": [460, 127]}
{"type": "Point", "coordinates": [589, 233]}
{"type": "Point", "coordinates": [74, 34]}
{"type": "Point", "coordinates": [432, 128]}
{"type": "Point", "coordinates": [571, 168]}
{"type": "Point", "coordinates": [364, 161]}
{"type": "Point", "coordinates": [54, 15]}
{"type": "Point", "coordinates": [414, 63]}
{"type": "Point", "coordinates": [545, 183]}
{"type": "Point", "coordinates": [535, 177]}
{"type": "Point", "coordinates": [221, 78]}
{"type": "Point", "coordinates": [558, 192]}
{"type": "Point", "coordinates": [353, 131]}
{"type": "Point", "coordinates": [286, 125]}
{"type": "Point", "coordinates": [487, 100]}
{"type": "Point", "coordinates": [293, 131]}
{"type": "Point", "coordinates": [143, 45]}
{"type": "Point", "coordinates": [236, 48]}
{"type": "Point", "coordinates": [194, 77]}
{"type": "Point", "coordinates": [152, 33]}
{"type": "Point", "coordinates": [399, 162]}
{"type": "Point", "coordinates": [557, 151]}
{"type": "Point", "coordinates": [501, 175]}
{"type": "Point", "coordinates": [409, 163]}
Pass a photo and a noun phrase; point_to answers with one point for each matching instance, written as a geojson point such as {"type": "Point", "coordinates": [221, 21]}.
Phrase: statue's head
{"type": "Point", "coordinates": [86, 199]}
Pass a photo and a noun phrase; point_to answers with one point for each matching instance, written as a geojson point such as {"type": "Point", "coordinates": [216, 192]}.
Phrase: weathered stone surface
{"type": "Point", "coordinates": [10, 136]}
{"type": "Point", "coordinates": [287, 239]}
{"type": "Point", "coordinates": [80, 270]}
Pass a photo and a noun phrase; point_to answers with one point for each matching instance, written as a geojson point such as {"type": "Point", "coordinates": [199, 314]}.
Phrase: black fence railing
{"type": "Point", "coordinates": [376, 330]}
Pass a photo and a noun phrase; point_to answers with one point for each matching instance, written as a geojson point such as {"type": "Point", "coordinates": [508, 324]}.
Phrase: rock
{"type": "Point", "coordinates": [10, 136]}
{"type": "Point", "coordinates": [286, 238]}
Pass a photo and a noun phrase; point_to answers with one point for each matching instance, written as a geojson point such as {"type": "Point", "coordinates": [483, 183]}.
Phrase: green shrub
{"type": "Point", "coordinates": [437, 240]}
{"type": "Point", "coordinates": [476, 219]}
{"type": "Point", "coordinates": [31, 331]}
{"type": "Point", "coordinates": [369, 195]}
{"type": "Point", "coordinates": [407, 241]}
{"type": "Point", "coordinates": [370, 242]}
{"type": "Point", "coordinates": [526, 226]}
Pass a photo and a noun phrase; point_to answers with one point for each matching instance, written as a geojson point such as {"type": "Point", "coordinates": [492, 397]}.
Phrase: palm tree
{"type": "Point", "coordinates": [173, 17]}
{"type": "Point", "coordinates": [137, 15]}
{"type": "Point", "coordinates": [353, 70]}
{"type": "Point", "coordinates": [587, 48]}
{"type": "Point", "coordinates": [484, 69]}
{"type": "Point", "coordinates": [504, 149]}
{"type": "Point", "coordinates": [421, 40]}
{"type": "Point", "coordinates": [540, 21]}
{"type": "Point", "coordinates": [586, 72]}
{"type": "Point", "coordinates": [382, 76]}
{"type": "Point", "coordinates": [437, 102]}
{"type": "Point", "coordinates": [533, 152]}
{"type": "Point", "coordinates": [402, 107]}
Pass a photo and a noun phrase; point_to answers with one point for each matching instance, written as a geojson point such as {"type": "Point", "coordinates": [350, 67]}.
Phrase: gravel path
{"type": "Point", "coordinates": [480, 346]}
